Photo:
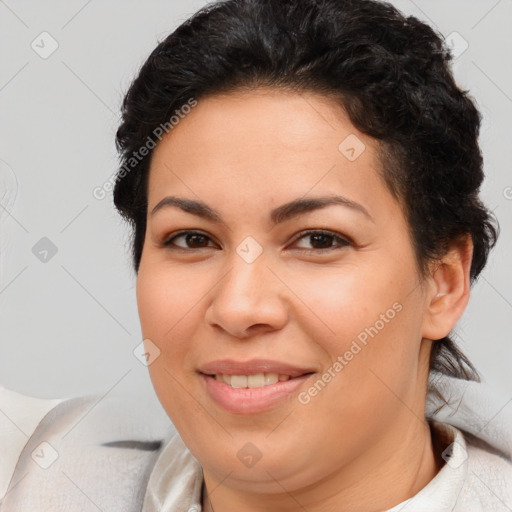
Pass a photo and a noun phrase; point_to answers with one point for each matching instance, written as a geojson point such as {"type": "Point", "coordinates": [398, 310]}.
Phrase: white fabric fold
{"type": "Point", "coordinates": [176, 480]}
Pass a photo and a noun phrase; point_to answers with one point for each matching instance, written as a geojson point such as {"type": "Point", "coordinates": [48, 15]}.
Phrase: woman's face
{"type": "Point", "coordinates": [322, 330]}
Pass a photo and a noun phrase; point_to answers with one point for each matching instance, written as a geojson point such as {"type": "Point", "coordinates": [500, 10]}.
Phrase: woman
{"type": "Point", "coordinates": [302, 179]}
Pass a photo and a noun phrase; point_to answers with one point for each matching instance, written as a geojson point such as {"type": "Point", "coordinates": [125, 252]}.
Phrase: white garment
{"type": "Point", "coordinates": [19, 417]}
{"type": "Point", "coordinates": [477, 476]}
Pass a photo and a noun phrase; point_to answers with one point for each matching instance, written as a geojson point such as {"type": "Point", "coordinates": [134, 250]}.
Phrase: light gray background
{"type": "Point", "coordinates": [69, 326]}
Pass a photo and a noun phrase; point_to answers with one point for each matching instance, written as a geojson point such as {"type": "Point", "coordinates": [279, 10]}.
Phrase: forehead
{"type": "Point", "coordinates": [266, 144]}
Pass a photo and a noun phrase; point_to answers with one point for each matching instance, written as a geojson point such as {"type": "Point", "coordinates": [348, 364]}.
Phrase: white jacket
{"type": "Point", "coordinates": [116, 453]}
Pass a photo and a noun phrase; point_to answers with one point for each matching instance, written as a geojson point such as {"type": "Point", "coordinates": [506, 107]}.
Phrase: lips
{"type": "Point", "coordinates": [254, 386]}
{"type": "Point", "coordinates": [253, 367]}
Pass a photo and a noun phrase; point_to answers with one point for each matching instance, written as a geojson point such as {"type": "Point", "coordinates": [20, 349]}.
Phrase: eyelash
{"type": "Point", "coordinates": [343, 241]}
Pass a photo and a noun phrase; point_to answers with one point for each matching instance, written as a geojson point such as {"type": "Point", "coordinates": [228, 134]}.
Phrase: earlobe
{"type": "Point", "coordinates": [448, 290]}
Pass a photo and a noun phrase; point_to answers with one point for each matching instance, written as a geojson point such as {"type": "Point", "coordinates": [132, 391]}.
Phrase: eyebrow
{"type": "Point", "coordinates": [277, 216]}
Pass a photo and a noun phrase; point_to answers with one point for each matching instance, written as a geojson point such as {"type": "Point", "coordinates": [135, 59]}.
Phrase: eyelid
{"type": "Point", "coordinates": [319, 231]}
{"type": "Point", "coordinates": [166, 242]}
{"type": "Point", "coordinates": [345, 240]}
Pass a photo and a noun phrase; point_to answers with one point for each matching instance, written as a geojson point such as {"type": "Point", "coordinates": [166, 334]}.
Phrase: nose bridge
{"type": "Point", "coordinates": [248, 294]}
{"type": "Point", "coordinates": [248, 279]}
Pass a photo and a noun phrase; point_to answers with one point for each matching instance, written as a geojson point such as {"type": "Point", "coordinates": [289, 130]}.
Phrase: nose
{"type": "Point", "coordinates": [248, 300]}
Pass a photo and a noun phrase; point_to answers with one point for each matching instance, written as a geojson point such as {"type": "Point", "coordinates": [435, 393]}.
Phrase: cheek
{"type": "Point", "coordinates": [168, 317]}
{"type": "Point", "coordinates": [370, 317]}
{"type": "Point", "coordinates": [346, 303]}
{"type": "Point", "coordinates": [168, 305]}
{"type": "Point", "coordinates": [165, 300]}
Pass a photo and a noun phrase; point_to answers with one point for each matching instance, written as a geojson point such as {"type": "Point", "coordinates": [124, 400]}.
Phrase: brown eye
{"type": "Point", "coordinates": [192, 240]}
{"type": "Point", "coordinates": [323, 240]}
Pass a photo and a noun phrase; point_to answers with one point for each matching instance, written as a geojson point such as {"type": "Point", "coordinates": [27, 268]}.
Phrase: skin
{"type": "Point", "coordinates": [362, 443]}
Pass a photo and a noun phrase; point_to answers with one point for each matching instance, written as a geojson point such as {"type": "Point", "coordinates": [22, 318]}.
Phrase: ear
{"type": "Point", "coordinates": [448, 290]}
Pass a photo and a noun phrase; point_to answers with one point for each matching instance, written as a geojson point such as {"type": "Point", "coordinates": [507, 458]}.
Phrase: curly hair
{"type": "Point", "coordinates": [390, 73]}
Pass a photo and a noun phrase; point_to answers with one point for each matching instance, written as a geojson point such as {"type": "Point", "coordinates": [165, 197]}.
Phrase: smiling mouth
{"type": "Point", "coordinates": [257, 391]}
{"type": "Point", "coordinates": [257, 380]}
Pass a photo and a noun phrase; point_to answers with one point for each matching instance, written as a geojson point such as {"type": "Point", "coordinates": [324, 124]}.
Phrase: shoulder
{"type": "Point", "coordinates": [481, 416]}
{"type": "Point", "coordinates": [480, 410]}
{"type": "Point", "coordinates": [488, 482]}
{"type": "Point", "coordinates": [100, 442]}
{"type": "Point", "coordinates": [19, 416]}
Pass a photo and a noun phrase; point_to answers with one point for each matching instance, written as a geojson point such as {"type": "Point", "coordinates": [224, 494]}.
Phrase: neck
{"type": "Point", "coordinates": [403, 462]}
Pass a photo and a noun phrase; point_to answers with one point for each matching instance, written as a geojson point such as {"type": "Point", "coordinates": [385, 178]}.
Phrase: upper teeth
{"type": "Point", "coordinates": [257, 380]}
